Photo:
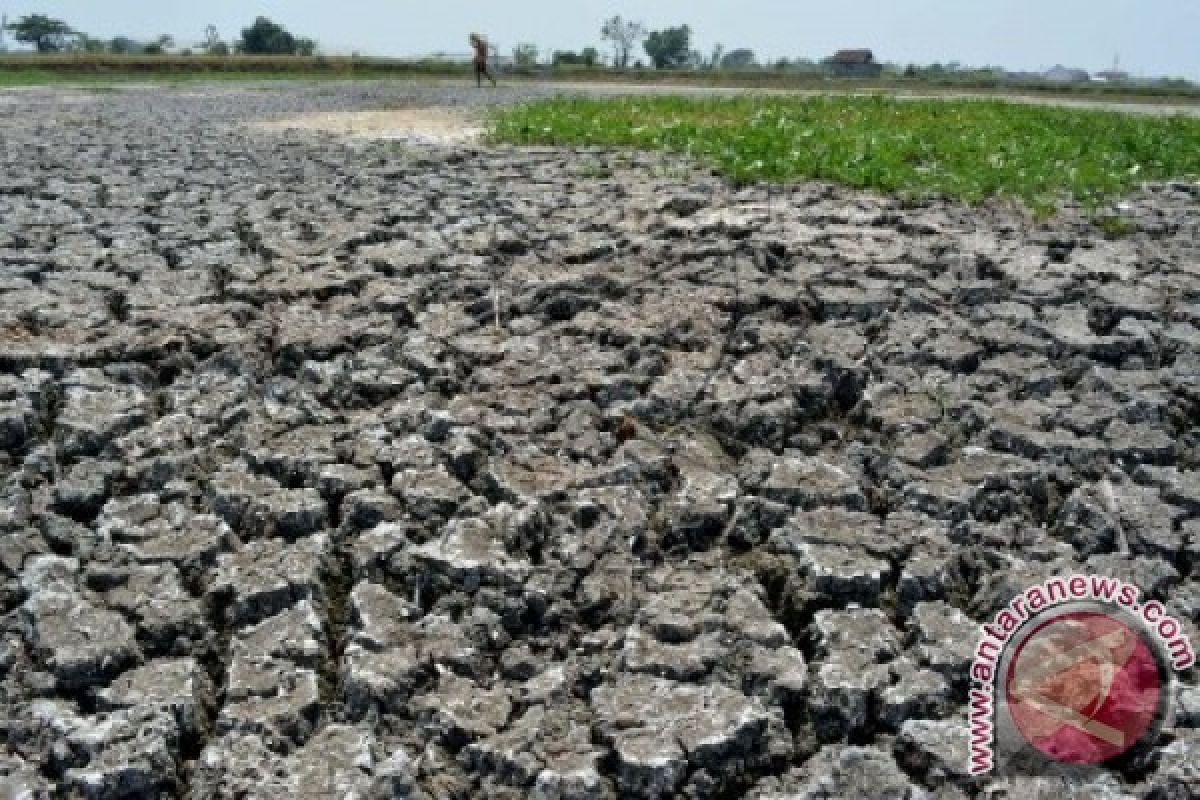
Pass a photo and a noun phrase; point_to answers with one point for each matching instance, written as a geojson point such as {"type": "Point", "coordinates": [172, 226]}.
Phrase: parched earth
{"type": "Point", "coordinates": [345, 469]}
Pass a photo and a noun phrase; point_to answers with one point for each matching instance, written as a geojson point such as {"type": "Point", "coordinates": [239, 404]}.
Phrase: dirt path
{"type": "Point", "coordinates": [1149, 106]}
{"type": "Point", "coordinates": [420, 125]}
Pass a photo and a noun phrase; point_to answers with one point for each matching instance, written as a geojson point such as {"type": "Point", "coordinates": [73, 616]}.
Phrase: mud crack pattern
{"type": "Point", "coordinates": [345, 469]}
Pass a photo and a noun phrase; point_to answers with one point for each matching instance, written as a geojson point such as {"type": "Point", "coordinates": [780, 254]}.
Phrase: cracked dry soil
{"type": "Point", "coordinates": [336, 469]}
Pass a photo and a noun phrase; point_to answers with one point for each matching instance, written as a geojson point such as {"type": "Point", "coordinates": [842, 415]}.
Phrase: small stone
{"type": "Point", "coordinates": [460, 711]}
{"type": "Point", "coordinates": [180, 686]}
{"type": "Point", "coordinates": [854, 647]}
{"type": "Point", "coordinates": [80, 644]}
{"type": "Point", "coordinates": [935, 749]}
{"type": "Point", "coordinates": [811, 482]}
{"type": "Point", "coordinates": [265, 577]}
{"type": "Point", "coordinates": [916, 694]}
{"type": "Point", "coordinates": [429, 494]}
{"type": "Point", "coordinates": [275, 700]}
{"type": "Point", "coordinates": [946, 640]}
{"type": "Point", "coordinates": [658, 727]}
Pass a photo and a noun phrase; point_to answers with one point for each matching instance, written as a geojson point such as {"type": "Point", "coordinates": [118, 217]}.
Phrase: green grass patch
{"type": "Point", "coordinates": [101, 81]}
{"type": "Point", "coordinates": [967, 149]}
{"type": "Point", "coordinates": [74, 69]}
{"type": "Point", "coordinates": [27, 77]}
{"type": "Point", "coordinates": [1114, 226]}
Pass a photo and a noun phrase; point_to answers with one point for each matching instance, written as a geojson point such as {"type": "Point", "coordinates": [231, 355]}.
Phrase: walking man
{"type": "Point", "coordinates": [480, 46]}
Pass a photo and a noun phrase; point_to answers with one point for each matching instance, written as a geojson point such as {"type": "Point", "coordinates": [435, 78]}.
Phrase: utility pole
{"type": "Point", "coordinates": [3, 27]}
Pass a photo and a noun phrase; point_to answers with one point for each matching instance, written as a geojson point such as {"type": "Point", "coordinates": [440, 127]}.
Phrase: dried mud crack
{"type": "Point", "coordinates": [340, 468]}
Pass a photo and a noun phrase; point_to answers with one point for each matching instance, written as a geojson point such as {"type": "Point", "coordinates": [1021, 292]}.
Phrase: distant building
{"type": "Point", "coordinates": [1114, 74]}
{"type": "Point", "coordinates": [1061, 74]}
{"type": "Point", "coordinates": [854, 64]}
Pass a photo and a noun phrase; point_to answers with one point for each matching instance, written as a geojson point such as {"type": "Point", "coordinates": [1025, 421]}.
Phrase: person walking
{"type": "Point", "coordinates": [480, 46]}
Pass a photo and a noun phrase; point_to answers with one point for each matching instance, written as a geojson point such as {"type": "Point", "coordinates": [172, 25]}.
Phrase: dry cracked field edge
{"type": "Point", "coordinates": [338, 469]}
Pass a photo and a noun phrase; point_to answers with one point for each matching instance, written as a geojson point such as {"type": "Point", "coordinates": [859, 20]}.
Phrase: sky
{"type": "Point", "coordinates": [1151, 37]}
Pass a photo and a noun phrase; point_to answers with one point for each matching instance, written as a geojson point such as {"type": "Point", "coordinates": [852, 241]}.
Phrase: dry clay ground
{"type": "Point", "coordinates": [337, 468]}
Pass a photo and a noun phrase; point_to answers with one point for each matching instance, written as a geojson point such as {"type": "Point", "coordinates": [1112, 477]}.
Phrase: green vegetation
{"type": "Point", "coordinates": [741, 58]}
{"type": "Point", "coordinates": [262, 38]}
{"type": "Point", "coordinates": [967, 149]}
{"type": "Point", "coordinates": [48, 35]}
{"type": "Point", "coordinates": [28, 77]}
{"type": "Point", "coordinates": [670, 48]}
{"type": "Point", "coordinates": [587, 57]}
{"type": "Point", "coordinates": [623, 35]}
{"type": "Point", "coordinates": [104, 68]}
{"type": "Point", "coordinates": [525, 55]}
{"type": "Point", "coordinates": [1115, 226]}
{"type": "Point", "coordinates": [267, 38]}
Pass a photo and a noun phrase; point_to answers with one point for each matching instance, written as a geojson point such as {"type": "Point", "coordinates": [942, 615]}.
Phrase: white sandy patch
{"type": "Point", "coordinates": [16, 95]}
{"type": "Point", "coordinates": [418, 125]}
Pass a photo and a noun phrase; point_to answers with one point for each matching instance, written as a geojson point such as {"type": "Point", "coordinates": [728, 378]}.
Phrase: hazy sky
{"type": "Point", "coordinates": [1153, 37]}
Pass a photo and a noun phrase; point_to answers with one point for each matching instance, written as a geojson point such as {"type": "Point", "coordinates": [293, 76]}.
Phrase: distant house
{"type": "Point", "coordinates": [1113, 76]}
{"type": "Point", "coordinates": [1061, 74]}
{"type": "Point", "coordinates": [854, 64]}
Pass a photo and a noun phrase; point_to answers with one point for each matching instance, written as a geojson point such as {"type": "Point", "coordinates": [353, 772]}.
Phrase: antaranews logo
{"type": "Point", "coordinates": [1075, 672]}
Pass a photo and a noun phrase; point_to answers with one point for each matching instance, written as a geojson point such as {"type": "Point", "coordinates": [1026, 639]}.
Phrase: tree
{"type": "Point", "coordinates": [306, 47]}
{"type": "Point", "coordinates": [588, 57]}
{"type": "Point", "coordinates": [670, 47]}
{"type": "Point", "coordinates": [525, 55]}
{"type": "Point", "coordinates": [160, 45]}
{"type": "Point", "coordinates": [213, 45]}
{"type": "Point", "coordinates": [623, 35]}
{"type": "Point", "coordinates": [266, 38]}
{"type": "Point", "coordinates": [86, 44]}
{"type": "Point", "coordinates": [741, 58]}
{"type": "Point", "coordinates": [46, 34]}
{"type": "Point", "coordinates": [124, 46]}
{"type": "Point", "coordinates": [718, 53]}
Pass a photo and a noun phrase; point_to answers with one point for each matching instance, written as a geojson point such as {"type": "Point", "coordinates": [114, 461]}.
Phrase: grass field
{"type": "Point", "coordinates": [966, 149]}
{"type": "Point", "coordinates": [39, 77]}
{"type": "Point", "coordinates": [71, 69]}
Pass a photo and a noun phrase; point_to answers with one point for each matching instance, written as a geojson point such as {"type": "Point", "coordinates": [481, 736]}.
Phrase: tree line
{"type": "Point", "coordinates": [669, 48]}
{"type": "Point", "coordinates": [263, 37]}
{"type": "Point", "coordinates": [666, 49]}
